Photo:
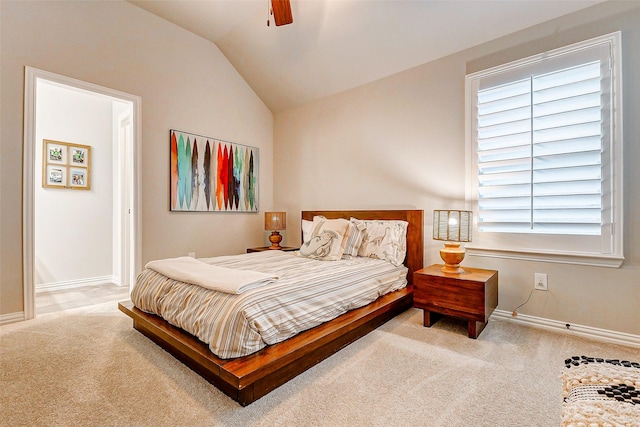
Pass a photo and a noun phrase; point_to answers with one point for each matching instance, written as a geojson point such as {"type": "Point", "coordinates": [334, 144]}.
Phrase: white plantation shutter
{"type": "Point", "coordinates": [539, 152]}
{"type": "Point", "coordinates": [543, 145]}
{"type": "Point", "coordinates": [568, 135]}
{"type": "Point", "coordinates": [504, 157]}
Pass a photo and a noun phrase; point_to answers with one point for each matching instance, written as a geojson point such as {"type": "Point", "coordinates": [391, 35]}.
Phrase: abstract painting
{"type": "Point", "coordinates": [211, 175]}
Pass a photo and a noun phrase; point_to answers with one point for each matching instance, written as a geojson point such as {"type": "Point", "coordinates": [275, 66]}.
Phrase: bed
{"type": "Point", "coordinates": [247, 378]}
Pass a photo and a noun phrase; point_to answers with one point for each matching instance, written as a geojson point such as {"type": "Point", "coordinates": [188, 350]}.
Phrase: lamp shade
{"type": "Point", "coordinates": [452, 225]}
{"type": "Point", "coordinates": [275, 221]}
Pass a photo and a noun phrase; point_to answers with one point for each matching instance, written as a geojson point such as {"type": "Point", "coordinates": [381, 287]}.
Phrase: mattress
{"type": "Point", "coordinates": [308, 293]}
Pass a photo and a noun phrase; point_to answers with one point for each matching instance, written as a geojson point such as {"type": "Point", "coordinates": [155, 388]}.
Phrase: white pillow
{"type": "Point", "coordinates": [385, 239]}
{"type": "Point", "coordinates": [327, 239]}
{"type": "Point", "coordinates": [307, 229]}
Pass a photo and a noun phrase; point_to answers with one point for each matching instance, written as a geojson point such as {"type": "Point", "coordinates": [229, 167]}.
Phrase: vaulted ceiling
{"type": "Point", "coordinates": [335, 45]}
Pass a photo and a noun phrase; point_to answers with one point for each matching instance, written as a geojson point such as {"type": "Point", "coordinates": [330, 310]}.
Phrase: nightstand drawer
{"type": "Point", "coordinates": [463, 296]}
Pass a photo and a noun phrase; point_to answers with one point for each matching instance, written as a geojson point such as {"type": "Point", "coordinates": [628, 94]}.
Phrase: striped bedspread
{"type": "Point", "coordinates": [308, 293]}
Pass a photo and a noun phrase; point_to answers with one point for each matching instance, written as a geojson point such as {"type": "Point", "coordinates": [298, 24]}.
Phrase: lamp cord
{"type": "Point", "coordinates": [515, 310]}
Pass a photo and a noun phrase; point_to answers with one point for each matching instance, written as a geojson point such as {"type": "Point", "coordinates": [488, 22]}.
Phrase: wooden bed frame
{"type": "Point", "coordinates": [248, 378]}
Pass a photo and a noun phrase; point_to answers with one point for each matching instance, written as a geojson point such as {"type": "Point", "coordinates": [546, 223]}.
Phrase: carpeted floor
{"type": "Point", "coordinates": [89, 367]}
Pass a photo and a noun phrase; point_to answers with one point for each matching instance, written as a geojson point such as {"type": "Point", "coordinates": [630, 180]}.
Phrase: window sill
{"type": "Point", "coordinates": [593, 260]}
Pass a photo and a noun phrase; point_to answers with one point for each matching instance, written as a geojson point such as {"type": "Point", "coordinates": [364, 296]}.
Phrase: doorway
{"type": "Point", "coordinates": [120, 159]}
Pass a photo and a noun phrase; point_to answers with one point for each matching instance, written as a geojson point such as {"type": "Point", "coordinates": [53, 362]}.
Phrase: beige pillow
{"type": "Point", "coordinates": [385, 240]}
{"type": "Point", "coordinates": [327, 239]}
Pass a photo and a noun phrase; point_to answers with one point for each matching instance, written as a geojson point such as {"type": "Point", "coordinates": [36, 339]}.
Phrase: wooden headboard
{"type": "Point", "coordinates": [415, 230]}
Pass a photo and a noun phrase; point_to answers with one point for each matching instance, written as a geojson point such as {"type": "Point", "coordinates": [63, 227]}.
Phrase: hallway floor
{"type": "Point", "coordinates": [50, 301]}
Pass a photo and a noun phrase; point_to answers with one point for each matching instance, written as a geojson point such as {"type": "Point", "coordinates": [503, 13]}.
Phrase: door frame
{"type": "Point", "coordinates": [124, 206]}
{"type": "Point", "coordinates": [134, 246]}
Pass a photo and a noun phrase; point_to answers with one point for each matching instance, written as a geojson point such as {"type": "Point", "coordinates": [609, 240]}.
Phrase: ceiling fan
{"type": "Point", "coordinates": [281, 11]}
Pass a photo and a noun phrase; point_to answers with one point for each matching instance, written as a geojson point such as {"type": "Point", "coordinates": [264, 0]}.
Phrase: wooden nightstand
{"type": "Point", "coordinates": [266, 248]}
{"type": "Point", "coordinates": [472, 295]}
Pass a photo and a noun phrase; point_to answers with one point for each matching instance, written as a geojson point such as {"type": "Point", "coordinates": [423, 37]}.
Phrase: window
{"type": "Point", "coordinates": [545, 155]}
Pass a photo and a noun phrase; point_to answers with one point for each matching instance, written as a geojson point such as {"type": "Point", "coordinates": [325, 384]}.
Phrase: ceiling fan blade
{"type": "Point", "coordinates": [281, 12]}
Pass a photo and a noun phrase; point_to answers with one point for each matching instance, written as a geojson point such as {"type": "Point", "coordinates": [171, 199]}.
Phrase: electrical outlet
{"type": "Point", "coordinates": [192, 254]}
{"type": "Point", "coordinates": [540, 281]}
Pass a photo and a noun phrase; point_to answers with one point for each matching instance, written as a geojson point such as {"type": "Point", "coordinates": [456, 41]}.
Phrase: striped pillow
{"type": "Point", "coordinates": [353, 238]}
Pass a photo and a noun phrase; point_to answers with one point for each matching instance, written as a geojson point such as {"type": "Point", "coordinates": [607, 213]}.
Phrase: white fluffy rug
{"type": "Point", "coordinates": [600, 392]}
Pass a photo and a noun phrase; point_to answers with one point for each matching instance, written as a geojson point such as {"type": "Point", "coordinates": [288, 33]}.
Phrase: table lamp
{"type": "Point", "coordinates": [274, 222]}
{"type": "Point", "coordinates": [452, 226]}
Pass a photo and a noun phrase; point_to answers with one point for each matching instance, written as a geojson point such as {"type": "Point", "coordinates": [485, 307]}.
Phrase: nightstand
{"type": "Point", "coordinates": [266, 248]}
{"type": "Point", "coordinates": [472, 295]}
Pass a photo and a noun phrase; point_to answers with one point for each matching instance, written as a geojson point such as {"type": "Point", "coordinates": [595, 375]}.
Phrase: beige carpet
{"type": "Point", "coordinates": [89, 367]}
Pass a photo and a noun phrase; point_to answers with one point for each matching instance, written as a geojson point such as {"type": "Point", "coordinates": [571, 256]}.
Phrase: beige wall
{"type": "Point", "coordinates": [185, 83]}
{"type": "Point", "coordinates": [400, 142]}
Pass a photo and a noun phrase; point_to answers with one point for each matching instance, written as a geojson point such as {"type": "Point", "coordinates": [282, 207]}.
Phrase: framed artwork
{"type": "Point", "coordinates": [55, 176]}
{"type": "Point", "coordinates": [78, 177]}
{"type": "Point", "coordinates": [212, 175]}
{"type": "Point", "coordinates": [78, 155]}
{"type": "Point", "coordinates": [66, 165]}
{"type": "Point", "coordinates": [55, 153]}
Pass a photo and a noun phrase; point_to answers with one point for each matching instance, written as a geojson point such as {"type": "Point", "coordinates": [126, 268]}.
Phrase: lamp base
{"type": "Point", "coordinates": [452, 255]}
{"type": "Point", "coordinates": [275, 238]}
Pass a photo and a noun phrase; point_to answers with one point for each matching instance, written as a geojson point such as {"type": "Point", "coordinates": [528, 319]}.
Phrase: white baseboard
{"type": "Point", "coordinates": [571, 329]}
{"type": "Point", "coordinates": [5, 319]}
{"type": "Point", "coordinates": [70, 284]}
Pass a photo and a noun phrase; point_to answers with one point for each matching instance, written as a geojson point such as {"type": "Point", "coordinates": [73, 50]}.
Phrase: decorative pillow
{"type": "Point", "coordinates": [307, 227]}
{"type": "Point", "coordinates": [353, 238]}
{"type": "Point", "coordinates": [385, 240]}
{"type": "Point", "coordinates": [327, 239]}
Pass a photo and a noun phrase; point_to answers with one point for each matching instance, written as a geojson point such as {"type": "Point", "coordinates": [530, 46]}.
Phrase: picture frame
{"type": "Point", "coordinates": [79, 155]}
{"type": "Point", "coordinates": [212, 175]}
{"type": "Point", "coordinates": [55, 176]}
{"type": "Point", "coordinates": [78, 178]}
{"type": "Point", "coordinates": [55, 153]}
{"type": "Point", "coordinates": [66, 165]}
